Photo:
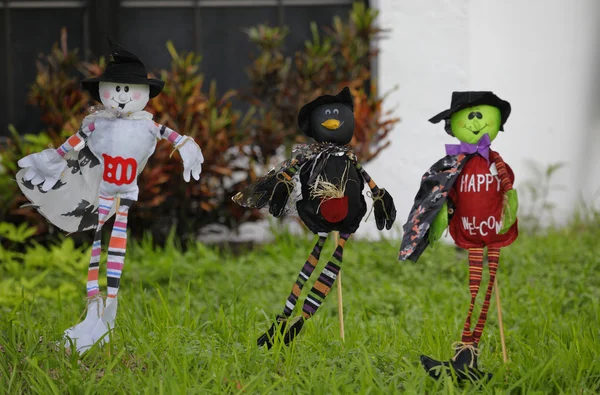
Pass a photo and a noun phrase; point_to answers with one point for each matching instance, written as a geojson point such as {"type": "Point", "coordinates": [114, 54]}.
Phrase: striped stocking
{"type": "Point", "coordinates": [304, 275]}
{"type": "Point", "coordinates": [116, 249]}
{"type": "Point", "coordinates": [325, 281]}
{"type": "Point", "coordinates": [105, 204]}
{"type": "Point", "coordinates": [493, 259]}
{"type": "Point", "coordinates": [475, 271]}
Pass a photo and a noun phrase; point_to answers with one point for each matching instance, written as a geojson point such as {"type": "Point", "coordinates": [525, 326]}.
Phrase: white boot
{"type": "Point", "coordinates": [106, 323]}
{"type": "Point", "coordinates": [81, 334]}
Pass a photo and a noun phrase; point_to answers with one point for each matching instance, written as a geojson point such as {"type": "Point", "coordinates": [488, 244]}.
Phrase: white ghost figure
{"type": "Point", "coordinates": [93, 175]}
{"type": "Point", "coordinates": [124, 98]}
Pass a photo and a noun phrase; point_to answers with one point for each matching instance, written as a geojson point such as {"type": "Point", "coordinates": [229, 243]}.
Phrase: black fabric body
{"type": "Point", "coordinates": [332, 170]}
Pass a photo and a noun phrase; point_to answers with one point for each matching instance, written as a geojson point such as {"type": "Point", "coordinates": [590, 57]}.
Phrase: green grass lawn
{"type": "Point", "coordinates": [188, 321]}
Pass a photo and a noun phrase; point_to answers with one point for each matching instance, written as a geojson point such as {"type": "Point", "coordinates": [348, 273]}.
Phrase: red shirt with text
{"type": "Point", "coordinates": [479, 203]}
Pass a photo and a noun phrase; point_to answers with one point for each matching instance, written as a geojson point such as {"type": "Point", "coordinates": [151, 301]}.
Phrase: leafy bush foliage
{"type": "Point", "coordinates": [235, 145]}
{"type": "Point", "coordinates": [340, 57]}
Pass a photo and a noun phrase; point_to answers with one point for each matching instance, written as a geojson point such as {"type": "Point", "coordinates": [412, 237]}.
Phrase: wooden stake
{"type": "Point", "coordinates": [336, 238]}
{"type": "Point", "coordinates": [499, 308]}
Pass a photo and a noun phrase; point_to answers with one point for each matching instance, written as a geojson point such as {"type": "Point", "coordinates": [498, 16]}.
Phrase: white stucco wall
{"type": "Point", "coordinates": [543, 56]}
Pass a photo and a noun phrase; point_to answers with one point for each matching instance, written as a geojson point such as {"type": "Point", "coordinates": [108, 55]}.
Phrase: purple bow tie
{"type": "Point", "coordinates": [482, 148]}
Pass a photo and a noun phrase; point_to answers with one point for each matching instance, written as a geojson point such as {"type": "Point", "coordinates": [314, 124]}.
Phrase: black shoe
{"type": "Point", "coordinates": [266, 339]}
{"type": "Point", "coordinates": [434, 368]}
{"type": "Point", "coordinates": [288, 333]}
{"type": "Point", "coordinates": [464, 365]}
{"type": "Point", "coordinates": [294, 328]}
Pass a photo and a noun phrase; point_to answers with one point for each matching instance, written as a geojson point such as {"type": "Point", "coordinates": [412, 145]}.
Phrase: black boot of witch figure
{"type": "Point", "coordinates": [332, 182]}
{"type": "Point", "coordinates": [470, 190]}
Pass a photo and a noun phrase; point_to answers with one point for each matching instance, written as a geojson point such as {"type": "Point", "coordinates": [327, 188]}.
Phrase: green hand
{"type": "Point", "coordinates": [510, 211]}
{"type": "Point", "coordinates": [439, 224]}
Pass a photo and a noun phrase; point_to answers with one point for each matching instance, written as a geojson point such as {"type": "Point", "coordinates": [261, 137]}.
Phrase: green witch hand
{"type": "Point", "coordinates": [439, 224]}
{"type": "Point", "coordinates": [509, 214]}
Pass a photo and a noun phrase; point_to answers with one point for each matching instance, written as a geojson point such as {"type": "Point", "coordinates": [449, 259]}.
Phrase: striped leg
{"type": "Point", "coordinates": [326, 280]}
{"type": "Point", "coordinates": [304, 275]}
{"type": "Point", "coordinates": [81, 334]}
{"type": "Point", "coordinates": [475, 270]}
{"type": "Point", "coordinates": [493, 259]}
{"type": "Point", "coordinates": [116, 249]}
{"type": "Point", "coordinates": [105, 204]}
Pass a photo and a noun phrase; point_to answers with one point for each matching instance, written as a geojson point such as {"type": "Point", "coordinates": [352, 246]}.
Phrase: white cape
{"type": "Point", "coordinates": [72, 204]}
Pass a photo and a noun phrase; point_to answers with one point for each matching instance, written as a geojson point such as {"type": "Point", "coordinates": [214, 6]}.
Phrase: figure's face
{"type": "Point", "coordinates": [470, 124]}
{"type": "Point", "coordinates": [125, 98]}
{"type": "Point", "coordinates": [333, 123]}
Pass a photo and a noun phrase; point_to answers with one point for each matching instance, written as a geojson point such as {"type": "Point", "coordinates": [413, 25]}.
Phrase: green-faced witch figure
{"type": "Point", "coordinates": [471, 191]}
{"type": "Point", "coordinates": [331, 199]}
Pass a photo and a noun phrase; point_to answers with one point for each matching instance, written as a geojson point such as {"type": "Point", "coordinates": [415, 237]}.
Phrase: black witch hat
{"type": "Point", "coordinates": [344, 97]}
{"type": "Point", "coordinates": [461, 100]}
{"type": "Point", "coordinates": [125, 68]}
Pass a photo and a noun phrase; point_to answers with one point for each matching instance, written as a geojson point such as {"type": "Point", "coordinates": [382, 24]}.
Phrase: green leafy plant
{"type": "Point", "coordinates": [338, 56]}
{"type": "Point", "coordinates": [14, 233]}
{"type": "Point", "coordinates": [13, 240]}
{"type": "Point", "coordinates": [184, 106]}
{"type": "Point", "coordinates": [536, 195]}
{"type": "Point", "coordinates": [233, 143]}
{"type": "Point", "coordinates": [218, 129]}
{"type": "Point", "coordinates": [11, 199]}
{"type": "Point", "coordinates": [56, 90]}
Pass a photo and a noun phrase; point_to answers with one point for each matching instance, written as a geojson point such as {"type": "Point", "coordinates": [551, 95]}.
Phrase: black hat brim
{"type": "Point", "coordinates": [344, 97]}
{"type": "Point", "coordinates": [491, 100]}
{"type": "Point", "coordinates": [92, 85]}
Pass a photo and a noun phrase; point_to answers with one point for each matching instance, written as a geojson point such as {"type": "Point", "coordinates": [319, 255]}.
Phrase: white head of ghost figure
{"type": "Point", "coordinates": [123, 97]}
{"type": "Point", "coordinates": [124, 86]}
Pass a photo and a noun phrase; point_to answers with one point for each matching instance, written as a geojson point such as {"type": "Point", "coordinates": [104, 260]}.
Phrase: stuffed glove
{"type": "Point", "coordinates": [192, 157]}
{"type": "Point", "coordinates": [509, 214]}
{"type": "Point", "coordinates": [385, 210]}
{"type": "Point", "coordinates": [439, 224]}
{"type": "Point", "coordinates": [46, 166]}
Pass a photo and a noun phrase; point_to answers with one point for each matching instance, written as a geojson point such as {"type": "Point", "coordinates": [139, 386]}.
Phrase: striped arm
{"type": "Point", "coordinates": [169, 134]}
{"type": "Point", "coordinates": [295, 165]}
{"type": "Point", "coordinates": [505, 181]}
{"type": "Point", "coordinates": [372, 186]}
{"type": "Point", "coordinates": [80, 137]}
{"type": "Point", "coordinates": [290, 172]}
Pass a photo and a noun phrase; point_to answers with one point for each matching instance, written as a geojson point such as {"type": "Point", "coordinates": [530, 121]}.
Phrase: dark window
{"type": "Point", "coordinates": [145, 31]}
{"type": "Point", "coordinates": [4, 77]}
{"type": "Point", "coordinates": [33, 32]}
{"type": "Point", "coordinates": [225, 48]}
